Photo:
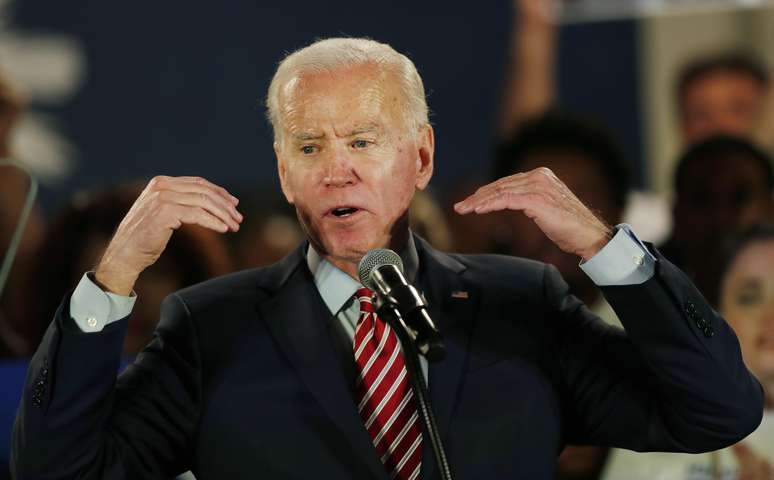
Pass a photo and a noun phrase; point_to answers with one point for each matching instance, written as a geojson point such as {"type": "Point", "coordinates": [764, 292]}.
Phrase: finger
{"type": "Point", "coordinates": [477, 200]}
{"type": "Point", "coordinates": [213, 204]}
{"type": "Point", "coordinates": [526, 202]}
{"type": "Point", "coordinates": [532, 179]}
{"type": "Point", "coordinates": [206, 183]}
{"type": "Point", "coordinates": [515, 179]}
{"type": "Point", "coordinates": [226, 204]}
{"type": "Point", "coordinates": [468, 204]}
{"type": "Point", "coordinates": [198, 216]}
{"type": "Point", "coordinates": [187, 185]}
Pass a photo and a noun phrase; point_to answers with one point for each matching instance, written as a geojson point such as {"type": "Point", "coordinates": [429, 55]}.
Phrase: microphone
{"type": "Point", "coordinates": [381, 270]}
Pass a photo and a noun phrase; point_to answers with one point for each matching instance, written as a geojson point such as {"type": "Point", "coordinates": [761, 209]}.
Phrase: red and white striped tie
{"type": "Point", "coordinates": [383, 394]}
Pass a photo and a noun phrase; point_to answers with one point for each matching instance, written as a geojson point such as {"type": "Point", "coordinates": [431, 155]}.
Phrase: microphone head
{"type": "Point", "coordinates": [376, 258]}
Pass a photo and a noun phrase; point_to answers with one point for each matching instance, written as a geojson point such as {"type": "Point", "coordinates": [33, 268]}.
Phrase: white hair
{"type": "Point", "coordinates": [339, 53]}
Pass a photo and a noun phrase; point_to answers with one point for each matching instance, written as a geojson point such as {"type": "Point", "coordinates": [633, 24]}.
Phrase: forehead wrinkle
{"type": "Point", "coordinates": [361, 128]}
{"type": "Point", "coordinates": [306, 107]}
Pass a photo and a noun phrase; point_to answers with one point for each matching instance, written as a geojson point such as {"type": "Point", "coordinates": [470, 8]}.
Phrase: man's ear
{"type": "Point", "coordinates": [425, 152]}
{"type": "Point", "coordinates": [282, 171]}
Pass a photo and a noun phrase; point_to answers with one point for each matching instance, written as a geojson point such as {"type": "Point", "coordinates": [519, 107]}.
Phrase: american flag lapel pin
{"type": "Point", "coordinates": [459, 294]}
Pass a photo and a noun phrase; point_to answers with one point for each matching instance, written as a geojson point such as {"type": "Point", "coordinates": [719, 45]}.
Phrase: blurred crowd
{"type": "Point", "coordinates": [721, 216]}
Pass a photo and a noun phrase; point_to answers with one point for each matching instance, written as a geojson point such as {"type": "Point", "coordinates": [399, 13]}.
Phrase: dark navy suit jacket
{"type": "Point", "coordinates": [244, 379]}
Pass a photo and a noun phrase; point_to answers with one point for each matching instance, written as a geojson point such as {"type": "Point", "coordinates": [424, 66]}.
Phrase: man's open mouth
{"type": "Point", "coordinates": [343, 212]}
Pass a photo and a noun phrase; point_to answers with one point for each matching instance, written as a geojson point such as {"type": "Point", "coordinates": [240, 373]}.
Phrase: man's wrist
{"type": "Point", "coordinates": [114, 280]}
{"type": "Point", "coordinates": [624, 260]}
{"type": "Point", "coordinates": [596, 246]}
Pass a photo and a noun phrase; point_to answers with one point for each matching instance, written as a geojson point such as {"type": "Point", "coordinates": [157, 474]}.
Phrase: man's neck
{"type": "Point", "coordinates": [345, 266]}
{"type": "Point", "coordinates": [407, 252]}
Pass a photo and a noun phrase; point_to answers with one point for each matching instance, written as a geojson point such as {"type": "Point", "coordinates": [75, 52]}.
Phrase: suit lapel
{"type": "Point", "coordinates": [454, 304]}
{"type": "Point", "coordinates": [297, 318]}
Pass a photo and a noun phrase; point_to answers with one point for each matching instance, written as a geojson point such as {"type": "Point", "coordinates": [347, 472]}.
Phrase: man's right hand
{"type": "Point", "coordinates": [164, 205]}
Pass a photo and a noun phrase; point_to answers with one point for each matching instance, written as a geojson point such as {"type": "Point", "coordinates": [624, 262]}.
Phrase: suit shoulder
{"type": "Point", "coordinates": [254, 284]}
{"type": "Point", "coordinates": [502, 267]}
{"type": "Point", "coordinates": [510, 275]}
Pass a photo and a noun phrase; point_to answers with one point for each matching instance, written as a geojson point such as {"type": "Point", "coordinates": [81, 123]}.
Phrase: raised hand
{"type": "Point", "coordinates": [549, 203]}
{"type": "Point", "coordinates": [164, 205]}
{"type": "Point", "coordinates": [541, 11]}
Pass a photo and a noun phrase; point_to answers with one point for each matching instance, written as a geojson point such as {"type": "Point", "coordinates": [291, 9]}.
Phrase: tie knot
{"type": "Point", "coordinates": [363, 296]}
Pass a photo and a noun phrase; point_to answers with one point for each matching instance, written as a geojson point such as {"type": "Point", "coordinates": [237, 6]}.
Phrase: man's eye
{"type": "Point", "coordinates": [360, 144]}
{"type": "Point", "coordinates": [308, 149]}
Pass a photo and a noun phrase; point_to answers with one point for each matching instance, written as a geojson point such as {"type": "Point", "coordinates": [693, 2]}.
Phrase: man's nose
{"type": "Point", "coordinates": [339, 169]}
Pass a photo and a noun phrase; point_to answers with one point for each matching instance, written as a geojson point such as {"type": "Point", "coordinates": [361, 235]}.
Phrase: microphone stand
{"type": "Point", "coordinates": [393, 317]}
{"type": "Point", "coordinates": [16, 238]}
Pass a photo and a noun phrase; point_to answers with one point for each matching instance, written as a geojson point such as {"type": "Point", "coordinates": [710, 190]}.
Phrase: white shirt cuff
{"type": "Point", "coordinates": [623, 261]}
{"type": "Point", "coordinates": [92, 308]}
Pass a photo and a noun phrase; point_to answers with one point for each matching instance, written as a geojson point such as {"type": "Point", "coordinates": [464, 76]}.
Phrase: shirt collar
{"type": "Point", "coordinates": [336, 287]}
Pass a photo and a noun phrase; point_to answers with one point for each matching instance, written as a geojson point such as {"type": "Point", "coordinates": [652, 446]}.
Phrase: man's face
{"type": "Point", "coordinates": [347, 161]}
{"type": "Point", "coordinates": [720, 102]}
{"type": "Point", "coordinates": [726, 194]}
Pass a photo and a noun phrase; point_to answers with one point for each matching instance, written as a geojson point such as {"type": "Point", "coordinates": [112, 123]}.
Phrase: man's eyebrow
{"type": "Point", "coordinates": [304, 136]}
{"type": "Point", "coordinates": [366, 128]}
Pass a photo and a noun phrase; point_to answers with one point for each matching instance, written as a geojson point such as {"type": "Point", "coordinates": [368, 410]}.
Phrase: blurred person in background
{"type": "Point", "coordinates": [530, 84]}
{"type": "Point", "coordinates": [14, 188]}
{"type": "Point", "coordinates": [78, 236]}
{"type": "Point", "coordinates": [528, 91]}
{"type": "Point", "coordinates": [747, 302]}
{"type": "Point", "coordinates": [589, 162]}
{"type": "Point", "coordinates": [721, 94]}
{"type": "Point", "coordinates": [723, 185]}
{"type": "Point", "coordinates": [426, 219]}
{"type": "Point", "coordinates": [270, 230]}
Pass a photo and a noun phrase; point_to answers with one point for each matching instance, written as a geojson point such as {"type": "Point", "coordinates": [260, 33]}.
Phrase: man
{"type": "Point", "coordinates": [720, 94]}
{"type": "Point", "coordinates": [263, 373]}
{"type": "Point", "coordinates": [723, 186]}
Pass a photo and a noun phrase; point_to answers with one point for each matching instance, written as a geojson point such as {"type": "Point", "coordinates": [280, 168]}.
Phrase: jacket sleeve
{"type": "Point", "coordinates": [674, 381]}
{"type": "Point", "coordinates": [77, 419]}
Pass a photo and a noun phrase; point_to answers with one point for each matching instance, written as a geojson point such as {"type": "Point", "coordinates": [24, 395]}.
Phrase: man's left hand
{"type": "Point", "coordinates": [550, 204]}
